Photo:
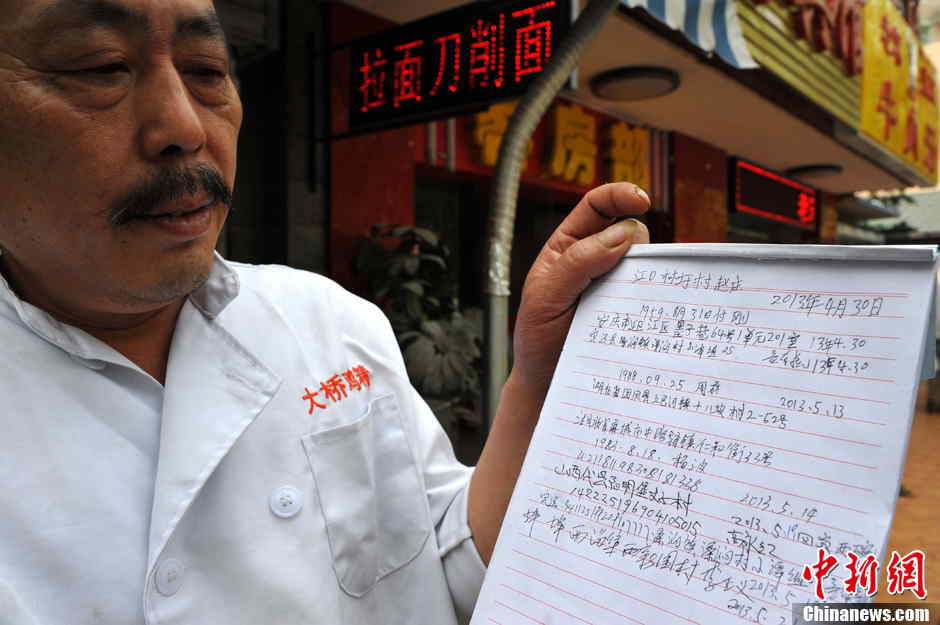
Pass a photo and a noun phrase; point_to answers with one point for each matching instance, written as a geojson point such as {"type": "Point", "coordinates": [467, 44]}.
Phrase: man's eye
{"type": "Point", "coordinates": [107, 76]}
{"type": "Point", "coordinates": [103, 70]}
{"type": "Point", "coordinates": [207, 73]}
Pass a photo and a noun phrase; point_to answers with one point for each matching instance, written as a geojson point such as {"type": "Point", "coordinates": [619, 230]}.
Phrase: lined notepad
{"type": "Point", "coordinates": [719, 412]}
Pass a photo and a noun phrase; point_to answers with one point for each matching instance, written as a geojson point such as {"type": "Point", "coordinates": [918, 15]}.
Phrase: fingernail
{"type": "Point", "coordinates": [617, 233]}
{"type": "Point", "coordinates": [642, 194]}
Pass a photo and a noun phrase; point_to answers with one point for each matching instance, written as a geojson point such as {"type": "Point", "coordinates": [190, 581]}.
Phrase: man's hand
{"type": "Point", "coordinates": [588, 243]}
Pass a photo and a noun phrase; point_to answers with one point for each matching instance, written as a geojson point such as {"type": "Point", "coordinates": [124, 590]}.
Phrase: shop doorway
{"type": "Point", "coordinates": [457, 209]}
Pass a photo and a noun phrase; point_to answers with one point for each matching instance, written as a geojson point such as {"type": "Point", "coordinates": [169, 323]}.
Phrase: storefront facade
{"type": "Point", "coordinates": [760, 130]}
{"type": "Point", "coordinates": [783, 86]}
{"type": "Point", "coordinates": [797, 90]}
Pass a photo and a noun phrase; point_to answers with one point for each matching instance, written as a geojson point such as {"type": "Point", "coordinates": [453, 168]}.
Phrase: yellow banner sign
{"type": "Point", "coordinates": [899, 100]}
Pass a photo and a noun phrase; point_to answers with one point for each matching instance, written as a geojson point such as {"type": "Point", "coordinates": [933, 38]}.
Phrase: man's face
{"type": "Point", "coordinates": [115, 117]}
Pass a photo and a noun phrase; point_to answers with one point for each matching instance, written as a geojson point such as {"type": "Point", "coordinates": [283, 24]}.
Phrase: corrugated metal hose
{"type": "Point", "coordinates": [505, 191]}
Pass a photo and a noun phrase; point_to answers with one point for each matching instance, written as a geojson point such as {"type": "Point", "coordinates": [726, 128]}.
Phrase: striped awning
{"type": "Point", "coordinates": [712, 25]}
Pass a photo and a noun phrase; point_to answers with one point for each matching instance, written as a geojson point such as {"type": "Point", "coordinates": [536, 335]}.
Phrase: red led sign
{"type": "Point", "coordinates": [764, 193]}
{"type": "Point", "coordinates": [453, 62]}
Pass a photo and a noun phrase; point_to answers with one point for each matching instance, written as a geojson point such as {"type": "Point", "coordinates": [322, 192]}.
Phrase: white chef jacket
{"type": "Point", "coordinates": [299, 478]}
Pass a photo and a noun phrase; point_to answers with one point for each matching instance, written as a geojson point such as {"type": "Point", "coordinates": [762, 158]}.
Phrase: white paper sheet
{"type": "Point", "coordinates": [713, 420]}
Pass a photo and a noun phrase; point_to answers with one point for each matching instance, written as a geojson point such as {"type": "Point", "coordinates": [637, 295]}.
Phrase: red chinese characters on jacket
{"type": "Point", "coordinates": [336, 388]}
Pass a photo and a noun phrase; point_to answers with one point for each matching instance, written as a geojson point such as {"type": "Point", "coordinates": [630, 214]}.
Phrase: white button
{"type": "Point", "coordinates": [286, 502]}
{"type": "Point", "coordinates": [169, 577]}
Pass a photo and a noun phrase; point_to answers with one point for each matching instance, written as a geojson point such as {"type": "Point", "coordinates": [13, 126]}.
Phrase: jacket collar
{"type": "Point", "coordinates": [215, 388]}
{"type": "Point", "coordinates": [219, 290]}
{"type": "Point", "coordinates": [210, 299]}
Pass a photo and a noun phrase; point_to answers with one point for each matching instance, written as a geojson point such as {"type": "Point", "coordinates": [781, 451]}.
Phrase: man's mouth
{"type": "Point", "coordinates": [167, 214]}
{"type": "Point", "coordinates": [172, 195]}
{"type": "Point", "coordinates": [182, 219]}
{"type": "Point", "coordinates": [175, 215]}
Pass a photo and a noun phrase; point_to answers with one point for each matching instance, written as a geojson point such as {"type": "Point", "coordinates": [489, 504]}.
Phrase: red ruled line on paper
{"type": "Point", "coordinates": [673, 591]}
{"type": "Point", "coordinates": [543, 602]}
{"type": "Point", "coordinates": [695, 511]}
{"type": "Point", "coordinates": [675, 337]}
{"type": "Point", "coordinates": [762, 290]}
{"type": "Point", "coordinates": [521, 613]}
{"type": "Point", "coordinates": [870, 467]}
{"type": "Point", "coordinates": [701, 492]}
{"type": "Point", "coordinates": [622, 572]}
{"type": "Point", "coordinates": [706, 454]}
{"type": "Point", "coordinates": [746, 363]}
{"type": "Point", "coordinates": [493, 620]}
{"type": "Point", "coordinates": [743, 401]}
{"type": "Point", "coordinates": [699, 513]}
{"type": "Point", "coordinates": [589, 601]}
{"type": "Point", "coordinates": [747, 325]}
{"type": "Point", "coordinates": [639, 558]}
{"type": "Point", "coordinates": [682, 549]}
{"type": "Point", "coordinates": [773, 310]}
{"type": "Point", "coordinates": [712, 377]}
{"type": "Point", "coordinates": [724, 477]}
{"type": "Point", "coordinates": [569, 513]}
{"type": "Point", "coordinates": [702, 453]}
{"type": "Point", "coordinates": [605, 505]}
{"type": "Point", "coordinates": [638, 516]}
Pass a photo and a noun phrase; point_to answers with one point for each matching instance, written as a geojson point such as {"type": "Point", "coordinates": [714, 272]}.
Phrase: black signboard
{"type": "Point", "coordinates": [454, 61]}
{"type": "Point", "coordinates": [764, 193]}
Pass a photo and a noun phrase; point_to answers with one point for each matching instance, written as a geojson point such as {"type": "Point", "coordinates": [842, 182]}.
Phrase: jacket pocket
{"type": "Point", "coordinates": [373, 504]}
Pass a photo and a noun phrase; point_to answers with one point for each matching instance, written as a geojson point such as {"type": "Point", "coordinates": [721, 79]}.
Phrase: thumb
{"type": "Point", "coordinates": [597, 254]}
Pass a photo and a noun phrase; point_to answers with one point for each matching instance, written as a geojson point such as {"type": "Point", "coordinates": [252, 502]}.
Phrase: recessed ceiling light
{"type": "Point", "coordinates": [635, 82]}
{"type": "Point", "coordinates": [816, 170]}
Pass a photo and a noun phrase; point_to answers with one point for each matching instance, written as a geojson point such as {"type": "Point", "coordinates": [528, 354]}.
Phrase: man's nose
{"type": "Point", "coordinates": [169, 119]}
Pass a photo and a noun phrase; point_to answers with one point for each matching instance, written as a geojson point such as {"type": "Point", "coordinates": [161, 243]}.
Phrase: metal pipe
{"type": "Point", "coordinates": [505, 189]}
{"type": "Point", "coordinates": [432, 143]}
{"type": "Point", "coordinates": [451, 144]}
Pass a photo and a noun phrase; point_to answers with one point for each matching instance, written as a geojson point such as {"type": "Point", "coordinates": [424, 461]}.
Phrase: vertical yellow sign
{"type": "Point", "coordinates": [574, 146]}
{"type": "Point", "coordinates": [928, 116]}
{"type": "Point", "coordinates": [899, 104]}
{"type": "Point", "coordinates": [629, 154]}
{"type": "Point", "coordinates": [489, 127]}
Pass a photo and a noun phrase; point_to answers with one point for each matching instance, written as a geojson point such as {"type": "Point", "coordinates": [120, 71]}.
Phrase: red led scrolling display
{"type": "Point", "coordinates": [769, 195]}
{"type": "Point", "coordinates": [453, 61]}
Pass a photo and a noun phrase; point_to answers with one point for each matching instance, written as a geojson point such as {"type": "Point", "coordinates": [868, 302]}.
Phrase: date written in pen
{"type": "Point", "coordinates": [836, 307]}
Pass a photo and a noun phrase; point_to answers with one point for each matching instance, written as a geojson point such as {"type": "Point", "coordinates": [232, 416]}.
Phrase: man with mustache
{"type": "Point", "coordinates": [188, 440]}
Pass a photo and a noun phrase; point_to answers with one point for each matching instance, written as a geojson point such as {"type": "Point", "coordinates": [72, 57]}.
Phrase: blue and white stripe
{"type": "Point", "coordinates": [712, 25]}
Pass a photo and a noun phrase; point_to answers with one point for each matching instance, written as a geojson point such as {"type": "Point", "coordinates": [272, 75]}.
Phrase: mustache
{"type": "Point", "coordinates": [168, 185]}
